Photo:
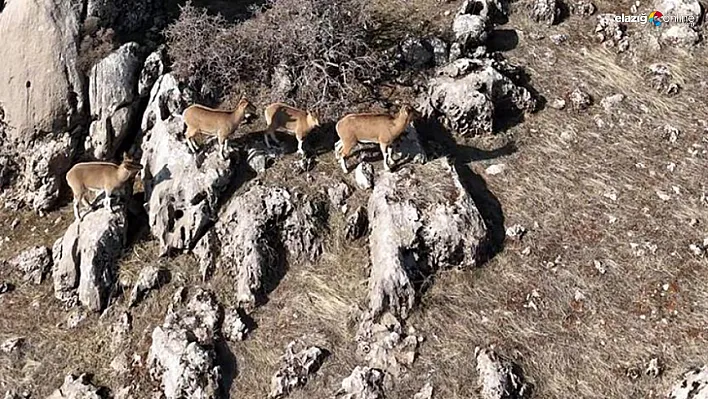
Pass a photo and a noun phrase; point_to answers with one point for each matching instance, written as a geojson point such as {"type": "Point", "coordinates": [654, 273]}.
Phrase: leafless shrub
{"type": "Point", "coordinates": [96, 44]}
{"type": "Point", "coordinates": [314, 53]}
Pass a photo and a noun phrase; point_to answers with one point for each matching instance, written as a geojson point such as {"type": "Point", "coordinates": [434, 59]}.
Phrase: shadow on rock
{"type": "Point", "coordinates": [229, 368]}
{"type": "Point", "coordinates": [503, 40]}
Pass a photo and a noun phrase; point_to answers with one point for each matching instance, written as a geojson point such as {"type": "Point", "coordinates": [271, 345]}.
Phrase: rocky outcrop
{"type": "Point", "coordinates": [181, 189]}
{"type": "Point", "coordinates": [385, 346]}
{"type": "Point", "coordinates": [472, 23]}
{"type": "Point", "coordinates": [41, 89]}
{"type": "Point", "coordinates": [85, 258]}
{"type": "Point", "coordinates": [113, 96]}
{"type": "Point", "coordinates": [234, 328]}
{"type": "Point", "coordinates": [150, 277]}
{"type": "Point", "coordinates": [182, 353]}
{"type": "Point", "coordinates": [357, 224]}
{"type": "Point", "coordinates": [154, 67]}
{"type": "Point", "coordinates": [465, 94]}
{"type": "Point", "coordinates": [685, 33]}
{"type": "Point", "coordinates": [692, 385]}
{"type": "Point", "coordinates": [78, 388]}
{"type": "Point", "coordinates": [255, 232]}
{"type": "Point", "coordinates": [364, 176]}
{"type": "Point", "coordinates": [296, 368]}
{"type": "Point", "coordinates": [419, 215]}
{"type": "Point", "coordinates": [363, 383]}
{"type": "Point", "coordinates": [499, 378]}
{"type": "Point", "coordinates": [34, 263]}
{"type": "Point", "coordinates": [545, 11]}
{"type": "Point", "coordinates": [611, 33]}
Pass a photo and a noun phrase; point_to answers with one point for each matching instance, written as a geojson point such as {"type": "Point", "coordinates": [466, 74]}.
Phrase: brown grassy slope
{"type": "Point", "coordinates": [558, 179]}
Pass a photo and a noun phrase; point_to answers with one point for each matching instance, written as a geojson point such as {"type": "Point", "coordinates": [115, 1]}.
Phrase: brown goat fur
{"type": "Point", "coordinates": [213, 122]}
{"type": "Point", "coordinates": [281, 116]}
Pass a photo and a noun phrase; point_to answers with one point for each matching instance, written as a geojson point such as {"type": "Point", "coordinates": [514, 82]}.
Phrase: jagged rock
{"type": "Point", "coordinates": [182, 355]}
{"type": "Point", "coordinates": [471, 24]}
{"type": "Point", "coordinates": [34, 263]}
{"type": "Point", "coordinates": [363, 383]}
{"type": "Point", "coordinates": [150, 277]}
{"type": "Point", "coordinates": [583, 8]}
{"type": "Point", "coordinates": [339, 193]}
{"type": "Point", "coordinates": [680, 36]}
{"type": "Point", "coordinates": [466, 92]}
{"type": "Point", "coordinates": [611, 33]}
{"type": "Point", "coordinates": [85, 258]}
{"type": "Point", "coordinates": [579, 100]}
{"type": "Point", "coordinates": [384, 346]}
{"type": "Point", "coordinates": [11, 344]}
{"type": "Point", "coordinates": [252, 225]}
{"type": "Point", "coordinates": [499, 378]}
{"type": "Point", "coordinates": [128, 16]}
{"type": "Point", "coordinates": [415, 53]}
{"type": "Point", "coordinates": [357, 224]}
{"type": "Point", "coordinates": [558, 104]}
{"type": "Point", "coordinates": [113, 96]}
{"type": "Point", "coordinates": [364, 175]}
{"type": "Point", "coordinates": [654, 368]}
{"type": "Point", "coordinates": [559, 39]}
{"type": "Point", "coordinates": [41, 88]}
{"type": "Point", "coordinates": [419, 210]}
{"type": "Point", "coordinates": [258, 160]}
{"type": "Point", "coordinates": [546, 11]}
{"type": "Point", "coordinates": [78, 388]}
{"type": "Point", "coordinates": [683, 8]}
{"type": "Point", "coordinates": [611, 102]}
{"type": "Point", "coordinates": [120, 364]}
{"type": "Point", "coordinates": [234, 328]}
{"type": "Point", "coordinates": [692, 385]}
{"type": "Point", "coordinates": [120, 330]}
{"type": "Point", "coordinates": [661, 79]}
{"type": "Point", "coordinates": [426, 392]}
{"type": "Point", "coordinates": [295, 369]}
{"type": "Point", "coordinates": [74, 318]}
{"type": "Point", "coordinates": [153, 68]}
{"type": "Point", "coordinates": [14, 395]}
{"type": "Point", "coordinates": [409, 147]}
{"type": "Point", "coordinates": [441, 51]}
{"type": "Point", "coordinates": [181, 191]}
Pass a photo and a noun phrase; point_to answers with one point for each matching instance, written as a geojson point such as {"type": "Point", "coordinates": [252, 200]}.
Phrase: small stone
{"type": "Point", "coordinates": [150, 278]}
{"type": "Point", "coordinates": [559, 38]}
{"type": "Point", "coordinates": [426, 392]}
{"type": "Point", "coordinates": [599, 266]}
{"type": "Point", "coordinates": [526, 251]}
{"type": "Point", "coordinates": [14, 224]}
{"type": "Point", "coordinates": [663, 195]}
{"type": "Point", "coordinates": [633, 373]}
{"type": "Point", "coordinates": [579, 296]}
{"type": "Point", "coordinates": [583, 8]}
{"type": "Point", "coordinates": [339, 193]}
{"type": "Point", "coordinates": [557, 103]}
{"type": "Point", "coordinates": [364, 175]}
{"type": "Point", "coordinates": [671, 167]}
{"type": "Point", "coordinates": [516, 231]}
{"type": "Point", "coordinates": [234, 328]}
{"type": "Point", "coordinates": [671, 133]}
{"type": "Point", "coordinates": [495, 169]}
{"type": "Point", "coordinates": [11, 344]}
{"type": "Point", "coordinates": [5, 288]}
{"type": "Point", "coordinates": [580, 100]}
{"type": "Point", "coordinates": [610, 102]}
{"type": "Point", "coordinates": [357, 224]}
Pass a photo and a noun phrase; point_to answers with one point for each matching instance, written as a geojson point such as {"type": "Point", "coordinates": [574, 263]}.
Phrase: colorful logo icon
{"type": "Point", "coordinates": [654, 18]}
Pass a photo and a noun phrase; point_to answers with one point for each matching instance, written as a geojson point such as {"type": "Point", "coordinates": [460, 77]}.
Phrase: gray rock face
{"type": "Point", "coordinates": [384, 345]}
{"type": "Point", "coordinates": [153, 68]}
{"type": "Point", "coordinates": [182, 354]}
{"type": "Point", "coordinates": [357, 224]}
{"type": "Point", "coordinates": [545, 11]}
{"type": "Point", "coordinates": [441, 50]}
{"type": "Point", "coordinates": [85, 258]}
{"type": "Point", "coordinates": [419, 209]}
{"type": "Point", "coordinates": [579, 100]}
{"type": "Point", "coordinates": [692, 385]}
{"type": "Point", "coordinates": [249, 229]}
{"type": "Point", "coordinates": [680, 36]}
{"type": "Point", "coordinates": [339, 193]}
{"type": "Point", "coordinates": [426, 392]}
{"type": "Point", "coordinates": [465, 94]}
{"type": "Point", "coordinates": [77, 388]}
{"type": "Point", "coordinates": [296, 368]}
{"type": "Point", "coordinates": [113, 95]}
{"type": "Point", "coordinates": [498, 377]}
{"type": "Point", "coordinates": [150, 278]}
{"type": "Point", "coordinates": [41, 89]}
{"type": "Point", "coordinates": [181, 190]}
{"type": "Point", "coordinates": [682, 8]}
{"type": "Point", "coordinates": [364, 175]}
{"type": "Point", "coordinates": [35, 263]}
{"type": "Point", "coordinates": [234, 328]}
{"type": "Point", "coordinates": [363, 383]}
{"type": "Point", "coordinates": [471, 24]}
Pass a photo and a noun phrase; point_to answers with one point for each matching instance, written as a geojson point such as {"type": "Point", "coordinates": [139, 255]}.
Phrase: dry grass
{"type": "Point", "coordinates": [555, 185]}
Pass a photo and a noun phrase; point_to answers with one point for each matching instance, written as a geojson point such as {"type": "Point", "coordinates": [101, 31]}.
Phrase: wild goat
{"type": "Point", "coordinates": [290, 119]}
{"type": "Point", "coordinates": [99, 176]}
{"type": "Point", "coordinates": [379, 128]}
{"type": "Point", "coordinates": [214, 122]}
